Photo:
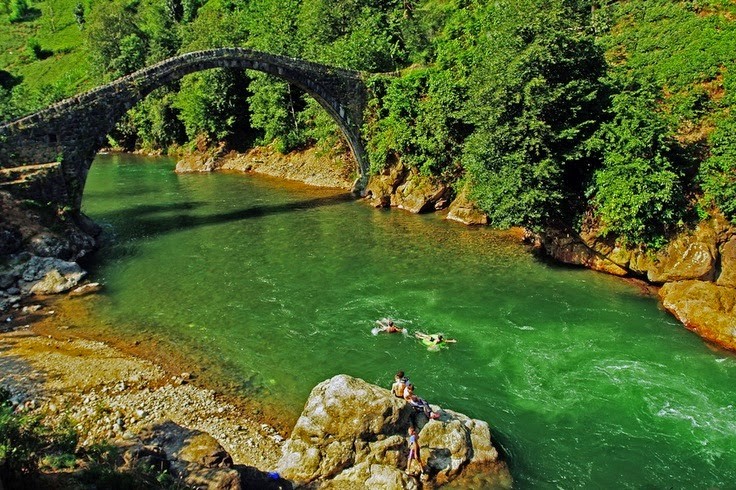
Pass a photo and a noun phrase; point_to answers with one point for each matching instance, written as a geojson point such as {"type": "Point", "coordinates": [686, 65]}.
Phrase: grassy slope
{"type": "Point", "coordinates": [686, 48]}
{"type": "Point", "coordinates": [54, 26]}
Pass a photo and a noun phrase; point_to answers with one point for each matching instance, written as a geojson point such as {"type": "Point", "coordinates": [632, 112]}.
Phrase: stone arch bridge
{"type": "Point", "coordinates": [61, 141]}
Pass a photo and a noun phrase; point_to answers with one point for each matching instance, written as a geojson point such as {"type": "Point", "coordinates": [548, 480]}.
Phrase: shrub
{"type": "Point", "coordinates": [33, 49]}
{"type": "Point", "coordinates": [19, 9]}
{"type": "Point", "coordinates": [718, 173]}
{"type": "Point", "coordinates": [20, 441]}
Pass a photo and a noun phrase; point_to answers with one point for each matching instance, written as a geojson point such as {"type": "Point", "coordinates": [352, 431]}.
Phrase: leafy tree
{"type": "Point", "coordinates": [534, 103]}
{"type": "Point", "coordinates": [718, 173]}
{"type": "Point", "coordinates": [274, 107]}
{"type": "Point", "coordinates": [639, 192]}
{"type": "Point", "coordinates": [212, 103]}
{"type": "Point", "coordinates": [417, 120]}
{"type": "Point", "coordinates": [160, 30]}
{"type": "Point", "coordinates": [116, 43]}
{"type": "Point", "coordinates": [357, 34]}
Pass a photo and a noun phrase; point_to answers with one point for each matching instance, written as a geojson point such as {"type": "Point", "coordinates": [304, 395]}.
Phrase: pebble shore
{"type": "Point", "coordinates": [110, 395]}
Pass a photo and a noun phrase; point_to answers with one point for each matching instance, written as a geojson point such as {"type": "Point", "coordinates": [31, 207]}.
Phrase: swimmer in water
{"type": "Point", "coordinates": [434, 339]}
{"type": "Point", "coordinates": [387, 326]}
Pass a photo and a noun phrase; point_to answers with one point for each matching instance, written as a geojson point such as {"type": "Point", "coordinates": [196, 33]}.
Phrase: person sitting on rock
{"type": "Point", "coordinates": [414, 450]}
{"type": "Point", "coordinates": [418, 404]}
{"type": "Point", "coordinates": [400, 383]}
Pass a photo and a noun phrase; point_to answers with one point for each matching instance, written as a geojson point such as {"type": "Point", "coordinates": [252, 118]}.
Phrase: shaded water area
{"type": "Point", "coordinates": [586, 382]}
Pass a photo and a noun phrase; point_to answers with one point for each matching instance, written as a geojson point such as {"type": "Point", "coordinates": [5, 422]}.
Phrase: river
{"type": "Point", "coordinates": [584, 380]}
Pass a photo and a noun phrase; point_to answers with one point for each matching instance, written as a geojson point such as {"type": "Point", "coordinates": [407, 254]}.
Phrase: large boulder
{"type": "Point", "coordinates": [46, 275]}
{"type": "Point", "coordinates": [405, 188]}
{"type": "Point", "coordinates": [352, 434]}
{"type": "Point", "coordinates": [689, 256]}
{"type": "Point", "coordinates": [381, 188]}
{"type": "Point", "coordinates": [465, 211]}
{"type": "Point", "coordinates": [705, 308]}
{"type": "Point", "coordinates": [727, 276]}
{"type": "Point", "coordinates": [419, 193]}
{"type": "Point", "coordinates": [195, 457]}
{"type": "Point", "coordinates": [569, 248]}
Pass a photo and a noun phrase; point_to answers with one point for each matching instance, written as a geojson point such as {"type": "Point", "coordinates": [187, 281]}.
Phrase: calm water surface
{"type": "Point", "coordinates": [585, 382]}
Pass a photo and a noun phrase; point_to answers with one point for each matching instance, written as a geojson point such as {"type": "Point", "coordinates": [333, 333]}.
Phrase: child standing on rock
{"type": "Point", "coordinates": [414, 450]}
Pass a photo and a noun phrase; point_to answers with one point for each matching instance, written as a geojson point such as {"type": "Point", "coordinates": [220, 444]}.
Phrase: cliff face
{"type": "Point", "coordinates": [352, 434]}
{"type": "Point", "coordinates": [697, 272]}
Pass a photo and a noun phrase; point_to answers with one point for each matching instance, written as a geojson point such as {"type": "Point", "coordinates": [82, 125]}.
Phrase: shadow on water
{"type": "Point", "coordinates": [141, 221]}
{"type": "Point", "coordinates": [135, 212]}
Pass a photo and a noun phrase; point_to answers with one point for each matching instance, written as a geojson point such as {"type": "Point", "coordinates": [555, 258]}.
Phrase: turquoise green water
{"type": "Point", "coordinates": [586, 383]}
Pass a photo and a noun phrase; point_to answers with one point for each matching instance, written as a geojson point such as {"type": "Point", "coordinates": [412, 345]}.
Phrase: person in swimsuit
{"type": "Point", "coordinates": [400, 383]}
{"type": "Point", "coordinates": [434, 339]}
{"type": "Point", "coordinates": [389, 327]}
{"type": "Point", "coordinates": [414, 450]}
{"type": "Point", "coordinates": [418, 404]}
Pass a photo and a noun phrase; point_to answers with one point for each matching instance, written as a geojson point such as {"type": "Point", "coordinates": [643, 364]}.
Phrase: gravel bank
{"type": "Point", "coordinates": [112, 395]}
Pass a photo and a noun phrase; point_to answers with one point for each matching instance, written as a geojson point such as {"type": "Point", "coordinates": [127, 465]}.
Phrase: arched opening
{"type": "Point", "coordinates": [80, 124]}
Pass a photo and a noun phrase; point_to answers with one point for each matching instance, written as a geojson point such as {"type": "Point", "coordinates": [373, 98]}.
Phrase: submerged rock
{"type": "Point", "coordinates": [85, 289]}
{"type": "Point", "coordinates": [352, 434]}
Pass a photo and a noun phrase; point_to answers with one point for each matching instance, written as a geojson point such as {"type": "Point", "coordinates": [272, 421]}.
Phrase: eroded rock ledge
{"type": "Point", "coordinates": [352, 434]}
{"type": "Point", "coordinates": [697, 272]}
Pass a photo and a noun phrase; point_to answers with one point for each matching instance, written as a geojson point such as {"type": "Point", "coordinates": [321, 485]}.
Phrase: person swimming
{"type": "Point", "coordinates": [387, 326]}
{"type": "Point", "coordinates": [434, 339]}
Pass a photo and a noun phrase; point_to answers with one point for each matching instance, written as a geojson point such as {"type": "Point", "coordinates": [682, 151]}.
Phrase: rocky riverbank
{"type": "Point", "coordinates": [351, 434]}
{"type": "Point", "coordinates": [694, 274]}
{"type": "Point", "coordinates": [696, 271]}
{"type": "Point", "coordinates": [206, 439]}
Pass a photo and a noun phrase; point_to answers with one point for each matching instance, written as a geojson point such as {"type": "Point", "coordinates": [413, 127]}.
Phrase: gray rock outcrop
{"type": "Point", "coordinates": [352, 434]}
{"type": "Point", "coordinates": [27, 275]}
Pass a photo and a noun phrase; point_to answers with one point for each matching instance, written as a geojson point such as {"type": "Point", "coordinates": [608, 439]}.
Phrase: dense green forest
{"type": "Point", "coordinates": [567, 113]}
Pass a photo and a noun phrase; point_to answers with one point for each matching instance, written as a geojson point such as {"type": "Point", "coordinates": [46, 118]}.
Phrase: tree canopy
{"type": "Point", "coordinates": [547, 111]}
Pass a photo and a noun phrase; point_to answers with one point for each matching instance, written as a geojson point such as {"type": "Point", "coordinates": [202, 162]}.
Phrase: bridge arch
{"type": "Point", "coordinates": [72, 131]}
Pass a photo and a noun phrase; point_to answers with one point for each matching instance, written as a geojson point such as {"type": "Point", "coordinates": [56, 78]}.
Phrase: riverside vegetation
{"type": "Point", "coordinates": [553, 113]}
{"type": "Point", "coordinates": [604, 127]}
{"type": "Point", "coordinates": [606, 119]}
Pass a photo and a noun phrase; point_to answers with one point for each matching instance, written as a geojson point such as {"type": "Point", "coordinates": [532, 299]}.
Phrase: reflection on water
{"type": "Point", "coordinates": [275, 287]}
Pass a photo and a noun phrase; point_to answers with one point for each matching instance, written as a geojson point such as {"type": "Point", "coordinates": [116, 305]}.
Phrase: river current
{"type": "Point", "coordinates": [585, 381]}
